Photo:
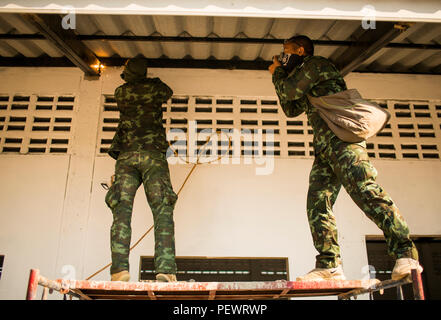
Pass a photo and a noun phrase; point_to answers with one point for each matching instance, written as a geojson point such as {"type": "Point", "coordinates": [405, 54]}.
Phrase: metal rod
{"type": "Point", "coordinates": [76, 51]}
{"type": "Point", "coordinates": [80, 294]}
{"type": "Point", "coordinates": [376, 287]}
{"type": "Point", "coordinates": [417, 285]}
{"type": "Point", "coordinates": [32, 284]}
{"type": "Point", "coordinates": [400, 293]}
{"type": "Point", "coordinates": [175, 63]}
{"type": "Point", "coordinates": [354, 56]}
{"type": "Point", "coordinates": [44, 295]}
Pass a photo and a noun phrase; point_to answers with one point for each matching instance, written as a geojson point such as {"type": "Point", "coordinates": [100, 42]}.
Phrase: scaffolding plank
{"type": "Point", "coordinates": [182, 290]}
{"type": "Point", "coordinates": [212, 290]}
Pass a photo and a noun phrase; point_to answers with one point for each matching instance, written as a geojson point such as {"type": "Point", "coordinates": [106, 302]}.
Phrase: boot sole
{"type": "Point", "coordinates": [164, 279]}
{"type": "Point", "coordinates": [402, 276]}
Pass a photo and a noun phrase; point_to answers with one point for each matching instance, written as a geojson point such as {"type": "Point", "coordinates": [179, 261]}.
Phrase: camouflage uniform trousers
{"type": "Point", "coordinates": [151, 169]}
{"type": "Point", "coordinates": [347, 164]}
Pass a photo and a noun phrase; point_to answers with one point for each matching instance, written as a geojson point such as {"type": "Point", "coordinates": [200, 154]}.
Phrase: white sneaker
{"type": "Point", "coordinates": [403, 267]}
{"type": "Point", "coordinates": [166, 277]}
{"type": "Point", "coordinates": [322, 274]}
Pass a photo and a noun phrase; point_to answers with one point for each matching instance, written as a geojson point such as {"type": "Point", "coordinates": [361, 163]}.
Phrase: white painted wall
{"type": "Point", "coordinates": [52, 210]}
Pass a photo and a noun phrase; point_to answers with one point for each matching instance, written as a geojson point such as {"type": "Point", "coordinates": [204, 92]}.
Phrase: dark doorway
{"type": "Point", "coordinates": [222, 269]}
{"type": "Point", "coordinates": [429, 250]}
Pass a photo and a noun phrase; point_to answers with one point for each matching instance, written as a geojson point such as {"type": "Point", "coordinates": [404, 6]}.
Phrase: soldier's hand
{"type": "Point", "coordinates": [276, 63]}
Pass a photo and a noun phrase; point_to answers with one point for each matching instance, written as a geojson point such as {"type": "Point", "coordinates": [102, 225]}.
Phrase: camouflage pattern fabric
{"type": "Point", "coordinates": [317, 77]}
{"type": "Point", "coordinates": [348, 164]}
{"type": "Point", "coordinates": [140, 126]}
{"type": "Point", "coordinates": [151, 169]}
{"type": "Point", "coordinates": [139, 146]}
{"type": "Point", "coordinates": [337, 163]}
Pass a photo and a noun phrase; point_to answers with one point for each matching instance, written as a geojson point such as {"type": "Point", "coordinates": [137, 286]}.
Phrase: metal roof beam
{"type": "Point", "coordinates": [370, 42]}
{"type": "Point", "coordinates": [46, 61]}
{"type": "Point", "coordinates": [51, 28]}
{"type": "Point", "coordinates": [269, 41]}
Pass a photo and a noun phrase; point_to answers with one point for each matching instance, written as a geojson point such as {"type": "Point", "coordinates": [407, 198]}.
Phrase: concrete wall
{"type": "Point", "coordinates": [53, 216]}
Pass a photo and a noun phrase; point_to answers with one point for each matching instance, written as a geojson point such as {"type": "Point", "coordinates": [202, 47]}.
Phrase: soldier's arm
{"type": "Point", "coordinates": [290, 107]}
{"type": "Point", "coordinates": [162, 91]}
{"type": "Point", "coordinates": [292, 90]}
{"type": "Point", "coordinates": [118, 95]}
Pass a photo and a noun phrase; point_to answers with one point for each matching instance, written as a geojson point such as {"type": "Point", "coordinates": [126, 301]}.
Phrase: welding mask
{"type": "Point", "coordinates": [290, 60]}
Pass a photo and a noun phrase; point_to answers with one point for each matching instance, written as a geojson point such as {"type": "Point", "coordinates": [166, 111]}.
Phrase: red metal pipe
{"type": "Point", "coordinates": [417, 285]}
{"type": "Point", "coordinates": [32, 284]}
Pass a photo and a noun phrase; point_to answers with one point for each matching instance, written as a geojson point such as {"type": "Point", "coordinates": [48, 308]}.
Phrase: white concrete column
{"type": "Point", "coordinates": [77, 200]}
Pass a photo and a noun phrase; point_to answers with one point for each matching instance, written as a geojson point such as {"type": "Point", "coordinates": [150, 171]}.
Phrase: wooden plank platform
{"type": "Point", "coordinates": [183, 290]}
{"type": "Point", "coordinates": [208, 290]}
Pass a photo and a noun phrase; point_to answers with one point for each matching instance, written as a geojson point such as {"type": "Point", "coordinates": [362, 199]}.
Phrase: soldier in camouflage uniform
{"type": "Point", "coordinates": [336, 163]}
{"type": "Point", "coordinates": [139, 147]}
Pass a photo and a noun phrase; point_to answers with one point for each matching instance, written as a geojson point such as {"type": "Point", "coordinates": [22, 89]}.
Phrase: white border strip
{"type": "Point", "coordinates": [405, 10]}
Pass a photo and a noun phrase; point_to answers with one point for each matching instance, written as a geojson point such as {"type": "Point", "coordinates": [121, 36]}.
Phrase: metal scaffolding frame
{"type": "Point", "coordinates": [182, 290]}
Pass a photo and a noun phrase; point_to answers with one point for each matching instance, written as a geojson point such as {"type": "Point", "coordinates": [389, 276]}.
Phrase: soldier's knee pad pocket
{"type": "Point", "coordinates": [171, 197]}
{"type": "Point", "coordinates": [362, 169]}
{"type": "Point", "coordinates": [113, 195]}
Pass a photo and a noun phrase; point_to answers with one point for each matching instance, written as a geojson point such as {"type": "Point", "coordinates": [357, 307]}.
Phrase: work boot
{"type": "Point", "coordinates": [121, 276]}
{"type": "Point", "coordinates": [322, 274]}
{"type": "Point", "coordinates": [166, 277]}
{"type": "Point", "coordinates": [403, 267]}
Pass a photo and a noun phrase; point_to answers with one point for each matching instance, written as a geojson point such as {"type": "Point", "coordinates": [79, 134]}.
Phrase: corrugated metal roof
{"type": "Point", "coordinates": [386, 60]}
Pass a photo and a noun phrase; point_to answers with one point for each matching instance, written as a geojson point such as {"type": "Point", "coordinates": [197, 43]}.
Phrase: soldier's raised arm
{"type": "Point", "coordinates": [163, 92]}
{"type": "Point", "coordinates": [292, 88]}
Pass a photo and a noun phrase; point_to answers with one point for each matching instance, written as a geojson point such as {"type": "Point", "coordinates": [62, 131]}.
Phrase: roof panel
{"type": "Point", "coordinates": [17, 22]}
{"type": "Point", "coordinates": [168, 25]}
{"type": "Point", "coordinates": [174, 50]}
{"type": "Point", "coordinates": [412, 58]}
{"type": "Point", "coordinates": [249, 51]}
{"type": "Point", "coordinates": [269, 51]}
{"type": "Point", "coordinates": [223, 27]}
{"type": "Point", "coordinates": [26, 48]}
{"type": "Point", "coordinates": [425, 34]}
{"type": "Point", "coordinates": [284, 28]}
{"type": "Point", "coordinates": [124, 49]}
{"type": "Point", "coordinates": [227, 27]}
{"type": "Point", "coordinates": [101, 48]}
{"type": "Point", "coordinates": [200, 50]}
{"type": "Point", "coordinates": [430, 63]}
{"type": "Point", "coordinates": [198, 26]}
{"type": "Point", "coordinates": [224, 51]}
{"type": "Point", "coordinates": [87, 25]}
{"type": "Point", "coordinates": [47, 48]}
{"type": "Point", "coordinates": [341, 30]}
{"type": "Point", "coordinates": [6, 50]}
{"type": "Point", "coordinates": [256, 27]}
{"type": "Point", "coordinates": [140, 25]}
{"type": "Point", "coordinates": [150, 49]}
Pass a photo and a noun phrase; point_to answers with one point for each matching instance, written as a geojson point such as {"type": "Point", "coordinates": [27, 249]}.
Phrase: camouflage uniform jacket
{"type": "Point", "coordinates": [140, 125]}
{"type": "Point", "coordinates": [317, 77]}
